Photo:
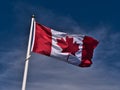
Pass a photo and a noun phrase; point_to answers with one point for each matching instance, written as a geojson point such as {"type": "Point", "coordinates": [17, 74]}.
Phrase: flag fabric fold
{"type": "Point", "coordinates": [76, 49]}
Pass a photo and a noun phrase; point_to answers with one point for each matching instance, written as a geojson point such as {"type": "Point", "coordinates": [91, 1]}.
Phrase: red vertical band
{"type": "Point", "coordinates": [43, 40]}
{"type": "Point", "coordinates": [89, 45]}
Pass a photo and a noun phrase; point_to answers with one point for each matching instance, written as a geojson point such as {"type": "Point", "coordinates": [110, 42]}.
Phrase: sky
{"type": "Point", "coordinates": [99, 19]}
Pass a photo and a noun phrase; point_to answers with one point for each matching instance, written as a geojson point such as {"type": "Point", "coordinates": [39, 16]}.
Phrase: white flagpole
{"type": "Point", "coordinates": [28, 55]}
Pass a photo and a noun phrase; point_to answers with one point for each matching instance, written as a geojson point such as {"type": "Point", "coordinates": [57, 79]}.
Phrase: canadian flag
{"type": "Point", "coordinates": [75, 49]}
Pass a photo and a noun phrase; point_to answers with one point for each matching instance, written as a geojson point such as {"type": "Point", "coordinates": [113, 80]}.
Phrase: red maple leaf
{"type": "Point", "coordinates": [68, 46]}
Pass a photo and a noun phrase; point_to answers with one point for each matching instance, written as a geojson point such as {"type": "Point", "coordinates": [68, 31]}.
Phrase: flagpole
{"type": "Point", "coordinates": [28, 55]}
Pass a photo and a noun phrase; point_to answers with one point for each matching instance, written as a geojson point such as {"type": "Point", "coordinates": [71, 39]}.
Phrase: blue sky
{"type": "Point", "coordinates": [99, 19]}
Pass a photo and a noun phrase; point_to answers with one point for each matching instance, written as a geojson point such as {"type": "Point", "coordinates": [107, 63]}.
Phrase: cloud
{"type": "Point", "coordinates": [47, 73]}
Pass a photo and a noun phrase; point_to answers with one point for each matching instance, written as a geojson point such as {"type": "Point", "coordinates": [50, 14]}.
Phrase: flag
{"type": "Point", "coordinates": [76, 49]}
